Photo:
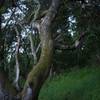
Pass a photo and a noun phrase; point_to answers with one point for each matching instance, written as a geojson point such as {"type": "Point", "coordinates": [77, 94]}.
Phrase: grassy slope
{"type": "Point", "coordinates": [83, 84]}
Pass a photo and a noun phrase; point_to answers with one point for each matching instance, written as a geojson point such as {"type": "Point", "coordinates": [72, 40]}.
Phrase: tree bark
{"type": "Point", "coordinates": [40, 71]}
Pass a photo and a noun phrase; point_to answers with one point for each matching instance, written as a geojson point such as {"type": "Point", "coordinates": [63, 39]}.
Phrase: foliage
{"type": "Point", "coordinates": [71, 21]}
{"type": "Point", "coordinates": [71, 18]}
{"type": "Point", "coordinates": [80, 84]}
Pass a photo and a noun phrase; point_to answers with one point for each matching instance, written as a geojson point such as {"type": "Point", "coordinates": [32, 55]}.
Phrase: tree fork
{"type": "Point", "coordinates": [40, 71]}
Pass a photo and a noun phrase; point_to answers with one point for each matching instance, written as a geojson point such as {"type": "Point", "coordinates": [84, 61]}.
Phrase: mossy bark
{"type": "Point", "coordinates": [40, 71]}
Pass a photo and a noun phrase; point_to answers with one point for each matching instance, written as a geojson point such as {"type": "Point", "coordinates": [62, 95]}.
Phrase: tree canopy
{"type": "Point", "coordinates": [39, 38]}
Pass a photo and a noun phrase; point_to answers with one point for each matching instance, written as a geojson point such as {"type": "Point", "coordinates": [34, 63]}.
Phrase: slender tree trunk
{"type": "Point", "coordinates": [39, 73]}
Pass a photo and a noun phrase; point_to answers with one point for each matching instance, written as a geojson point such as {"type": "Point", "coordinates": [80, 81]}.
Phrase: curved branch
{"type": "Point", "coordinates": [39, 73]}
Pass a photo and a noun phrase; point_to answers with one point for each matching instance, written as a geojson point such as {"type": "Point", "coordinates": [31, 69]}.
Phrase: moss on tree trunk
{"type": "Point", "coordinates": [40, 71]}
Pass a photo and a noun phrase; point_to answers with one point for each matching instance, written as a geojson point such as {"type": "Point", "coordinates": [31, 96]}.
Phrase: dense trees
{"type": "Point", "coordinates": [39, 36]}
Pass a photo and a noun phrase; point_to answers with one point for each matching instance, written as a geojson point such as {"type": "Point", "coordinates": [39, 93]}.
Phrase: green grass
{"type": "Point", "coordinates": [83, 84]}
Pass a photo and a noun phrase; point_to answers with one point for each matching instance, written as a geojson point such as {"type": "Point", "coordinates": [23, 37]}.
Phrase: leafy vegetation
{"type": "Point", "coordinates": [41, 38]}
{"type": "Point", "coordinates": [80, 84]}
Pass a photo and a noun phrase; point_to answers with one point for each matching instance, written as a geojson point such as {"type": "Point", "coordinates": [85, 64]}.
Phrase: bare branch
{"type": "Point", "coordinates": [35, 25]}
{"type": "Point", "coordinates": [59, 36]}
{"type": "Point", "coordinates": [31, 42]}
{"type": "Point", "coordinates": [33, 49]}
{"type": "Point", "coordinates": [39, 45]}
{"type": "Point", "coordinates": [16, 57]}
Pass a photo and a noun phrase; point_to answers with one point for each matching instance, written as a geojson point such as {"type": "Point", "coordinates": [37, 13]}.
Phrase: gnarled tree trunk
{"type": "Point", "coordinates": [40, 71]}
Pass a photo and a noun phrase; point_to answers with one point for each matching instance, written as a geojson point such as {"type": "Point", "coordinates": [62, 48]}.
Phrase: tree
{"type": "Point", "coordinates": [40, 71]}
{"type": "Point", "coordinates": [61, 35]}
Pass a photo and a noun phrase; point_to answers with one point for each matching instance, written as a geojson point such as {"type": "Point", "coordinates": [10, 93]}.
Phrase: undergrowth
{"type": "Point", "coordinates": [82, 84]}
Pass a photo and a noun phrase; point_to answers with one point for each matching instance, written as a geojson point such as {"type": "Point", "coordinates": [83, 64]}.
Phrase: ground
{"type": "Point", "coordinates": [80, 84]}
